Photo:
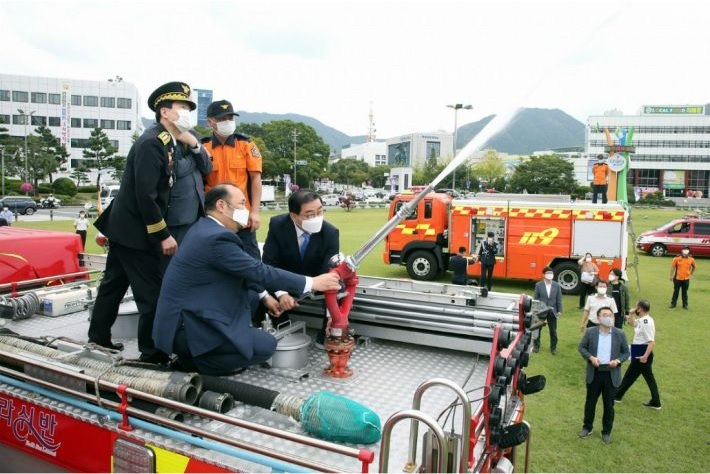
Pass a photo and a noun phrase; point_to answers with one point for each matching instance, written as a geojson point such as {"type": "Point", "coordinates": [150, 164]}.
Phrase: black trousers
{"type": "Point", "coordinates": [601, 385]}
{"type": "Point", "coordinates": [552, 325]}
{"type": "Point", "coordinates": [487, 276]}
{"type": "Point", "coordinates": [225, 359]}
{"type": "Point", "coordinates": [139, 269]}
{"type": "Point", "coordinates": [82, 234]}
{"type": "Point", "coordinates": [635, 369]}
{"type": "Point", "coordinates": [599, 189]}
{"type": "Point", "coordinates": [585, 289]}
{"type": "Point", "coordinates": [680, 285]}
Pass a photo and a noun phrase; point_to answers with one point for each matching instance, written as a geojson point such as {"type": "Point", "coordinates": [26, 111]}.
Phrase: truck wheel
{"type": "Point", "coordinates": [567, 275]}
{"type": "Point", "coordinates": [657, 250]}
{"type": "Point", "coordinates": [29, 211]}
{"type": "Point", "coordinates": [421, 265]}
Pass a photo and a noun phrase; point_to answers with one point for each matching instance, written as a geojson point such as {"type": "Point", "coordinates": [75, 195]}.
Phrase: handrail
{"type": "Point", "coordinates": [465, 430]}
{"type": "Point", "coordinates": [320, 444]}
{"type": "Point", "coordinates": [416, 415]}
{"type": "Point", "coordinates": [14, 285]}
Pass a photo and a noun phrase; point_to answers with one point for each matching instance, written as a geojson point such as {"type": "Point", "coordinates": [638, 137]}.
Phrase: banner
{"type": "Point", "coordinates": [65, 130]}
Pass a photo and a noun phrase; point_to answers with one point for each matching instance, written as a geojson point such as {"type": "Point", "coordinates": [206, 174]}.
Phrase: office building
{"type": "Point", "coordinates": [415, 149]}
{"type": "Point", "coordinates": [204, 99]}
{"type": "Point", "coordinates": [71, 109]}
{"type": "Point", "coordinates": [372, 153]}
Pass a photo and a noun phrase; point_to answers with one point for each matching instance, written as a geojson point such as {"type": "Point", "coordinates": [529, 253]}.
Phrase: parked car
{"type": "Point", "coordinates": [691, 231]}
{"type": "Point", "coordinates": [19, 204]}
{"type": "Point", "coordinates": [330, 199]}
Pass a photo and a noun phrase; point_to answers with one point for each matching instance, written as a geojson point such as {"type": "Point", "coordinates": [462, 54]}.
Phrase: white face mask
{"type": "Point", "coordinates": [601, 291]}
{"type": "Point", "coordinates": [226, 128]}
{"type": "Point", "coordinates": [588, 259]}
{"type": "Point", "coordinates": [549, 276]}
{"type": "Point", "coordinates": [183, 122]}
{"type": "Point", "coordinates": [685, 252]}
{"type": "Point", "coordinates": [607, 321]}
{"type": "Point", "coordinates": [313, 225]}
{"type": "Point", "coordinates": [612, 277]}
{"type": "Point", "coordinates": [490, 240]}
{"type": "Point", "coordinates": [241, 216]}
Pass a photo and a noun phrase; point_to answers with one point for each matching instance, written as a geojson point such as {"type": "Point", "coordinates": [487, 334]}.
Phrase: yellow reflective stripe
{"type": "Point", "coordinates": [157, 227]}
{"type": "Point", "coordinates": [430, 232]}
{"type": "Point", "coordinates": [408, 231]}
{"type": "Point", "coordinates": [168, 461]}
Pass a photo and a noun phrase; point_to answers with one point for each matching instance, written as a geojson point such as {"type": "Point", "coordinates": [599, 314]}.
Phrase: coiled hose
{"type": "Point", "coordinates": [20, 307]}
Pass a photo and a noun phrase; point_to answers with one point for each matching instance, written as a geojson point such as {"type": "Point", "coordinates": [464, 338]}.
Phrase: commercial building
{"type": "Point", "coordinates": [372, 153]}
{"type": "Point", "coordinates": [204, 99]}
{"type": "Point", "coordinates": [672, 147]}
{"type": "Point", "coordinates": [414, 149]}
{"type": "Point", "coordinates": [71, 108]}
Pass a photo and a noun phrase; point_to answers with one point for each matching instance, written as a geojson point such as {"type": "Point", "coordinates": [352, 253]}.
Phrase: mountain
{"type": "Point", "coordinates": [531, 130]}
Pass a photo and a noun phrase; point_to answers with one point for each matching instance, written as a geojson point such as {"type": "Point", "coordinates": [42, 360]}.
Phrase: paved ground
{"type": "Point", "coordinates": [63, 213]}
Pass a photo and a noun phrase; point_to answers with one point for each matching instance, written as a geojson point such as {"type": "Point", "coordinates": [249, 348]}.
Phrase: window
{"type": "Point", "coordinates": [18, 119]}
{"type": "Point", "coordinates": [55, 122]}
{"type": "Point", "coordinates": [38, 98]}
{"type": "Point", "coordinates": [427, 209]}
{"type": "Point", "coordinates": [20, 96]}
{"type": "Point", "coordinates": [91, 123]}
{"type": "Point", "coordinates": [398, 206]}
{"type": "Point", "coordinates": [91, 101]}
{"type": "Point", "coordinates": [38, 120]}
{"type": "Point", "coordinates": [79, 142]}
{"type": "Point", "coordinates": [5, 95]}
{"type": "Point", "coordinates": [76, 100]}
{"type": "Point", "coordinates": [648, 178]}
{"type": "Point", "coordinates": [5, 119]}
{"type": "Point", "coordinates": [702, 228]}
{"type": "Point", "coordinates": [55, 99]}
{"type": "Point", "coordinates": [75, 122]}
{"type": "Point", "coordinates": [123, 124]}
{"type": "Point", "coordinates": [108, 102]}
{"type": "Point", "coordinates": [108, 124]}
{"type": "Point", "coordinates": [124, 103]}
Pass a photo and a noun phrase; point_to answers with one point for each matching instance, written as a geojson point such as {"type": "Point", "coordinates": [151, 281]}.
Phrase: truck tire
{"type": "Point", "coordinates": [657, 250]}
{"type": "Point", "coordinates": [421, 265]}
{"type": "Point", "coordinates": [568, 276]}
{"type": "Point", "coordinates": [29, 211]}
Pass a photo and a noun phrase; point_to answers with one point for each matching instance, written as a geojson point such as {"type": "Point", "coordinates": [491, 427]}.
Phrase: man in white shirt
{"type": "Point", "coordinates": [594, 303]}
{"type": "Point", "coordinates": [642, 354]}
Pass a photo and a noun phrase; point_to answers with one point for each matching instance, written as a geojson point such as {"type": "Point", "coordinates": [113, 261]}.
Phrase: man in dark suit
{"type": "Point", "coordinates": [301, 241]}
{"type": "Point", "coordinates": [549, 292]}
{"type": "Point", "coordinates": [135, 224]}
{"type": "Point", "coordinates": [205, 305]}
{"type": "Point", "coordinates": [605, 348]}
{"type": "Point", "coordinates": [459, 264]}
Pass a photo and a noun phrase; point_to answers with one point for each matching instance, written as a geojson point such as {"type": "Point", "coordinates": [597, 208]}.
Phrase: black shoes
{"type": "Point", "coordinates": [585, 432]}
{"type": "Point", "coordinates": [114, 346]}
{"type": "Point", "coordinates": [606, 438]}
{"type": "Point", "coordinates": [157, 358]}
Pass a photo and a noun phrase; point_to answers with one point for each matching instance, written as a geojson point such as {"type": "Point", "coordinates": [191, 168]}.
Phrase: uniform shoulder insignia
{"type": "Point", "coordinates": [245, 138]}
{"type": "Point", "coordinates": [255, 151]}
{"type": "Point", "coordinates": [164, 137]}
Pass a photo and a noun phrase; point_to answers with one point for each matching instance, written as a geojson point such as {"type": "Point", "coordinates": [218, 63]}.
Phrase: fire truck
{"type": "Point", "coordinates": [532, 231]}
{"type": "Point", "coordinates": [448, 359]}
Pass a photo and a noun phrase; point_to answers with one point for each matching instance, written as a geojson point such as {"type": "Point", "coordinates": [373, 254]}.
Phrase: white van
{"type": "Point", "coordinates": [107, 194]}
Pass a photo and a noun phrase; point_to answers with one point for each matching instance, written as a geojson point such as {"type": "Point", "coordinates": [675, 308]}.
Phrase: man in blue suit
{"type": "Point", "coordinates": [549, 292]}
{"type": "Point", "coordinates": [604, 347]}
{"type": "Point", "coordinates": [205, 305]}
{"type": "Point", "coordinates": [302, 242]}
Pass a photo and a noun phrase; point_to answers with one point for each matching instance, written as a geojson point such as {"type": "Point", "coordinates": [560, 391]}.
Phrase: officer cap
{"type": "Point", "coordinates": [172, 91]}
{"type": "Point", "coordinates": [220, 108]}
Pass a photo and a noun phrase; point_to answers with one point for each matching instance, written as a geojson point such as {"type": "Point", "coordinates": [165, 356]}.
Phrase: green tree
{"type": "Point", "coordinates": [99, 151]}
{"type": "Point", "coordinates": [490, 168]}
{"type": "Point", "coordinates": [376, 175]}
{"type": "Point", "coordinates": [79, 175]}
{"type": "Point", "coordinates": [543, 174]}
{"type": "Point", "coordinates": [49, 154]}
{"type": "Point", "coordinates": [119, 166]}
{"type": "Point", "coordinates": [349, 171]}
{"type": "Point", "coordinates": [64, 186]}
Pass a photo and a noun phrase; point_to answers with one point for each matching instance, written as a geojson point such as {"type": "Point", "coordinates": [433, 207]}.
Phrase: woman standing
{"type": "Point", "coordinates": [80, 224]}
{"type": "Point", "coordinates": [589, 274]}
{"type": "Point", "coordinates": [619, 292]}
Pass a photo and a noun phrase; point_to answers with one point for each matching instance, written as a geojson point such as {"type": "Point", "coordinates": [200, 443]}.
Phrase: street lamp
{"type": "Point", "coordinates": [456, 108]}
{"type": "Point", "coordinates": [27, 117]}
{"type": "Point", "coordinates": [295, 135]}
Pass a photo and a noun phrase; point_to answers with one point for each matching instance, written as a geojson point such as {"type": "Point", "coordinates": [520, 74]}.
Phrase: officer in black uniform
{"type": "Point", "coordinates": [135, 224]}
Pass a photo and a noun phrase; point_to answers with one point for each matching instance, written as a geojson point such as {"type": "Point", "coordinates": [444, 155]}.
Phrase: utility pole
{"type": "Point", "coordinates": [295, 135]}
{"type": "Point", "coordinates": [456, 108]}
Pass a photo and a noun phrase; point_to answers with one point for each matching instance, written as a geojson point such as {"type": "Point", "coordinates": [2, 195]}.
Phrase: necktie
{"type": "Point", "coordinates": [304, 243]}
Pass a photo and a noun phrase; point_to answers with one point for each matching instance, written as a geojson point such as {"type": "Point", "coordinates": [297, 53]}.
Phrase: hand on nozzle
{"type": "Point", "coordinates": [326, 282]}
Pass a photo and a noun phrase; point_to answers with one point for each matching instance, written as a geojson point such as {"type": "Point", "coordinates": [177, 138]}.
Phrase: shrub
{"type": "Point", "coordinates": [88, 189]}
{"type": "Point", "coordinates": [44, 188]}
{"type": "Point", "coordinates": [64, 186]}
{"type": "Point", "coordinates": [656, 199]}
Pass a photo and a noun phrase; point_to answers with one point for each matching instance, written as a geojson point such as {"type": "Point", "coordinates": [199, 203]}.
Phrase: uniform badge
{"type": "Point", "coordinates": [255, 152]}
{"type": "Point", "coordinates": [164, 137]}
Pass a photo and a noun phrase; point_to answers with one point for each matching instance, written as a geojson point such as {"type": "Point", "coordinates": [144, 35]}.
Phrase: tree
{"type": "Point", "coordinates": [79, 174]}
{"type": "Point", "coordinates": [349, 171]}
{"type": "Point", "coordinates": [119, 166]}
{"type": "Point", "coordinates": [376, 175]}
{"type": "Point", "coordinates": [543, 174]}
{"type": "Point", "coordinates": [49, 154]}
{"type": "Point", "coordinates": [490, 168]}
{"type": "Point", "coordinates": [99, 151]}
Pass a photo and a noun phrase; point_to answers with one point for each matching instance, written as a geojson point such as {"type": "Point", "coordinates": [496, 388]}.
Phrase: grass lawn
{"type": "Point", "coordinates": [674, 439]}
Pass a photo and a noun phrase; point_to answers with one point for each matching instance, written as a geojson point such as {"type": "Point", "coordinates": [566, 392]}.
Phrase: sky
{"type": "Point", "coordinates": [406, 60]}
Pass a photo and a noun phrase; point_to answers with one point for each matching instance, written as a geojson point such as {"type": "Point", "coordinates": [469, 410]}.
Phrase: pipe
{"type": "Point", "coordinates": [219, 402]}
{"type": "Point", "coordinates": [242, 392]}
{"type": "Point", "coordinates": [415, 415]}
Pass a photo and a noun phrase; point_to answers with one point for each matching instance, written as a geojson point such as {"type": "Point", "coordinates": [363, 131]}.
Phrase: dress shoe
{"type": "Point", "coordinates": [114, 346]}
{"type": "Point", "coordinates": [585, 432]}
{"type": "Point", "coordinates": [651, 405]}
{"type": "Point", "coordinates": [157, 358]}
{"type": "Point", "coordinates": [606, 438]}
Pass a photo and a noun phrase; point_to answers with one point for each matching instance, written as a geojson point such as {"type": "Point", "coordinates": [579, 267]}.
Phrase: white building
{"type": "Point", "coordinates": [414, 149]}
{"type": "Point", "coordinates": [672, 146]}
{"type": "Point", "coordinates": [372, 153]}
{"type": "Point", "coordinates": [71, 109]}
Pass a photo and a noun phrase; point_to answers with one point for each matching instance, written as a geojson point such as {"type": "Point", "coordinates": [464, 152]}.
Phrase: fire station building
{"type": "Point", "coordinates": [672, 147]}
{"type": "Point", "coordinates": [71, 109]}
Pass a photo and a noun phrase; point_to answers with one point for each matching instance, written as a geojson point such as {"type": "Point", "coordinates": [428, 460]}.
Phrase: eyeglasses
{"type": "Point", "coordinates": [311, 215]}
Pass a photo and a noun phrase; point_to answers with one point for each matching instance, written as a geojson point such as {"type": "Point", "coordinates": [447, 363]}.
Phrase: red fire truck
{"type": "Point", "coordinates": [532, 231]}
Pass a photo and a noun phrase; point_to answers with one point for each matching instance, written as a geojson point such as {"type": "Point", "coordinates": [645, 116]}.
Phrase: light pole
{"type": "Point", "coordinates": [456, 108]}
{"type": "Point", "coordinates": [27, 117]}
{"type": "Point", "coordinates": [295, 135]}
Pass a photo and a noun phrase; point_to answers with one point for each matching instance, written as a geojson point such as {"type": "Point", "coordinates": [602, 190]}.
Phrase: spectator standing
{"type": "Point", "coordinates": [642, 346]}
{"type": "Point", "coordinates": [589, 274]}
{"type": "Point", "coordinates": [80, 225]}
{"type": "Point", "coordinates": [618, 290]}
{"type": "Point", "coordinates": [590, 316]}
{"type": "Point", "coordinates": [600, 171]}
{"type": "Point", "coordinates": [605, 348]}
{"type": "Point", "coordinates": [7, 216]}
{"type": "Point", "coordinates": [682, 269]}
{"type": "Point", "coordinates": [549, 292]}
{"type": "Point", "coordinates": [487, 256]}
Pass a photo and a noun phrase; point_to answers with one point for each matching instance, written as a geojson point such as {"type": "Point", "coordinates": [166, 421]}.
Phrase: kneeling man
{"type": "Point", "coordinates": [205, 305]}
